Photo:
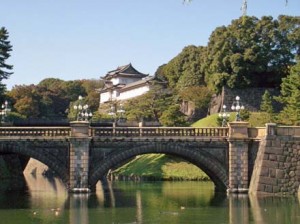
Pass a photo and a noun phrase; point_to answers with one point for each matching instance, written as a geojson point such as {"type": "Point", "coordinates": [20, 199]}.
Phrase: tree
{"type": "Point", "coordinates": [184, 70]}
{"type": "Point", "coordinates": [266, 103]}
{"type": "Point", "coordinates": [253, 52]}
{"type": "Point", "coordinates": [200, 96]}
{"type": "Point", "coordinates": [266, 107]}
{"type": "Point", "coordinates": [173, 117]}
{"type": "Point", "coordinates": [25, 100]}
{"type": "Point", "coordinates": [5, 48]}
{"type": "Point", "coordinates": [150, 105]}
{"type": "Point", "coordinates": [93, 97]}
{"type": "Point", "coordinates": [290, 97]}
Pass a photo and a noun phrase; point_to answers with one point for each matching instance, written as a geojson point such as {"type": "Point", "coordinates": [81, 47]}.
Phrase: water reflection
{"type": "Point", "coordinates": [41, 200]}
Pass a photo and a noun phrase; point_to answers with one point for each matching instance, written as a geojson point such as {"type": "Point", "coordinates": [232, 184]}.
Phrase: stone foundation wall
{"type": "Point", "coordinates": [250, 97]}
{"type": "Point", "coordinates": [277, 165]}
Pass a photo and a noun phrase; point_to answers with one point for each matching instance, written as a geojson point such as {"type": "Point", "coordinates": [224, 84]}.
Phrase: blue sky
{"type": "Point", "coordinates": [77, 39]}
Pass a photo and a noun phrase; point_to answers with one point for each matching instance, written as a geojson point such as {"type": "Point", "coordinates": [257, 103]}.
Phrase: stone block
{"type": "Point", "coordinates": [276, 143]}
{"type": "Point", "coordinates": [238, 130]}
{"type": "Point", "coordinates": [270, 164]}
{"type": "Point", "coordinates": [276, 189]}
{"type": "Point", "coordinates": [268, 180]}
{"type": "Point", "coordinates": [281, 158]}
{"type": "Point", "coordinates": [233, 165]}
{"type": "Point", "coordinates": [269, 189]}
{"type": "Point", "coordinates": [297, 131]}
{"type": "Point", "coordinates": [266, 156]}
{"type": "Point", "coordinates": [264, 171]}
{"type": "Point", "coordinates": [287, 165]}
{"type": "Point", "coordinates": [272, 157]}
{"type": "Point", "coordinates": [294, 160]}
{"type": "Point", "coordinates": [292, 174]}
{"type": "Point", "coordinates": [261, 187]}
{"type": "Point", "coordinates": [268, 143]}
{"type": "Point", "coordinates": [279, 174]}
{"type": "Point", "coordinates": [233, 157]}
{"type": "Point", "coordinates": [272, 173]}
{"type": "Point", "coordinates": [274, 150]}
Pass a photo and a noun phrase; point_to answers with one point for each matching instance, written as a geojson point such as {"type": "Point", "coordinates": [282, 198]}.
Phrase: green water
{"type": "Point", "coordinates": [40, 200]}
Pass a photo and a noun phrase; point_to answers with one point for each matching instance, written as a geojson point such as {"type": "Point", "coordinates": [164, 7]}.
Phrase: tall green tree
{"type": "Point", "coordinates": [253, 52]}
{"type": "Point", "coordinates": [5, 49]}
{"type": "Point", "coordinates": [184, 70]}
{"type": "Point", "coordinates": [172, 117]}
{"type": "Point", "coordinates": [266, 103]}
{"type": "Point", "coordinates": [266, 107]}
{"type": "Point", "coordinates": [290, 97]}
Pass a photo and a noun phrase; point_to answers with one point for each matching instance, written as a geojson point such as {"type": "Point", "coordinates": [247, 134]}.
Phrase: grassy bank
{"type": "Point", "coordinates": [161, 167]}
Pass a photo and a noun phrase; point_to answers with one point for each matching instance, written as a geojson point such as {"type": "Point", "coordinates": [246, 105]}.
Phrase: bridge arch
{"type": "Point", "coordinates": [41, 152]}
{"type": "Point", "coordinates": [192, 153]}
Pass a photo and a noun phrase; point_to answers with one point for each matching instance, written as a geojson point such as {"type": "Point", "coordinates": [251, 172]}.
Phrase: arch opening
{"type": "Point", "coordinates": [214, 169]}
{"type": "Point", "coordinates": [41, 155]}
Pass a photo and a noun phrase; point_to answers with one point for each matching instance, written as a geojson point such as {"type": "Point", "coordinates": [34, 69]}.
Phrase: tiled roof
{"type": "Point", "coordinates": [125, 70]}
{"type": "Point", "coordinates": [137, 83]}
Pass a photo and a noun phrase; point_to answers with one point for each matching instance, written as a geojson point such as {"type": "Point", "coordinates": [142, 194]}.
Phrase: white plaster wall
{"type": "Point", "coordinates": [133, 93]}
{"type": "Point", "coordinates": [104, 97]}
{"type": "Point", "coordinates": [123, 80]}
{"type": "Point", "coordinates": [115, 81]}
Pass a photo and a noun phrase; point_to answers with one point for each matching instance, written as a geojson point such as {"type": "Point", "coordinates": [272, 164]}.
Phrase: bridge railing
{"type": "Point", "coordinates": [35, 131]}
{"type": "Point", "coordinates": [158, 132]}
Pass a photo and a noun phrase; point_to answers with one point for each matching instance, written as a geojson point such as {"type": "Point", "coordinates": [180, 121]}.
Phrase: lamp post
{"type": "Point", "coordinates": [112, 112]}
{"type": "Point", "coordinates": [121, 111]}
{"type": "Point", "coordinates": [237, 106]}
{"type": "Point", "coordinates": [117, 112]}
{"type": "Point", "coordinates": [4, 111]}
{"type": "Point", "coordinates": [224, 115]}
{"type": "Point", "coordinates": [83, 112]}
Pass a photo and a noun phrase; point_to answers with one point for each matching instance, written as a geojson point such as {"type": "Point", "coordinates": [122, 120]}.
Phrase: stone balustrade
{"type": "Point", "coordinates": [159, 132]}
{"type": "Point", "coordinates": [35, 131]}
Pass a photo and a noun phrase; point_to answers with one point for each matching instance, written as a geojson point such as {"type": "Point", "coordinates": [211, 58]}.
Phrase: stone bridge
{"type": "Point", "coordinates": [235, 158]}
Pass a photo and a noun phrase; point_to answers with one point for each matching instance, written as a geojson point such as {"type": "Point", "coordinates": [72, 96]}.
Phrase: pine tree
{"type": "Point", "coordinates": [5, 48]}
{"type": "Point", "coordinates": [266, 103]}
{"type": "Point", "coordinates": [290, 97]}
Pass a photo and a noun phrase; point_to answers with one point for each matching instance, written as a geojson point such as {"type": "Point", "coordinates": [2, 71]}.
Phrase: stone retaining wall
{"type": "Point", "coordinates": [277, 165]}
{"type": "Point", "coordinates": [250, 97]}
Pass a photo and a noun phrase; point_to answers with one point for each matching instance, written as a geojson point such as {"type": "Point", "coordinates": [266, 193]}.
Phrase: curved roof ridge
{"type": "Point", "coordinates": [125, 70]}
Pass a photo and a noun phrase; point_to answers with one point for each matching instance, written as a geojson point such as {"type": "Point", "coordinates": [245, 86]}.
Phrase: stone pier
{"type": "Point", "coordinates": [238, 157]}
{"type": "Point", "coordinates": [79, 157]}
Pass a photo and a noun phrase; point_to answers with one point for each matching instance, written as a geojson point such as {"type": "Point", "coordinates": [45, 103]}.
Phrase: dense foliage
{"type": "Point", "coordinates": [250, 52]}
{"type": "Point", "coordinates": [51, 98]}
{"type": "Point", "coordinates": [290, 97]}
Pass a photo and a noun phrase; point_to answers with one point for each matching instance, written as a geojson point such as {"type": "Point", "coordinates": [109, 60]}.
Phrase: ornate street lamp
{"type": "Point", "coordinates": [237, 106]}
{"type": "Point", "coordinates": [121, 111]}
{"type": "Point", "coordinates": [224, 116]}
{"type": "Point", "coordinates": [83, 112]}
{"type": "Point", "coordinates": [117, 113]}
{"type": "Point", "coordinates": [4, 111]}
{"type": "Point", "coordinates": [112, 111]}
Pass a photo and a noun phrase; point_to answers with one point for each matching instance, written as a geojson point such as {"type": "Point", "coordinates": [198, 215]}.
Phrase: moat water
{"type": "Point", "coordinates": [42, 200]}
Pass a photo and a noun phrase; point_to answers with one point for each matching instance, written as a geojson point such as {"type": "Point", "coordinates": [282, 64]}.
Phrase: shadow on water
{"type": "Point", "coordinates": [14, 193]}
